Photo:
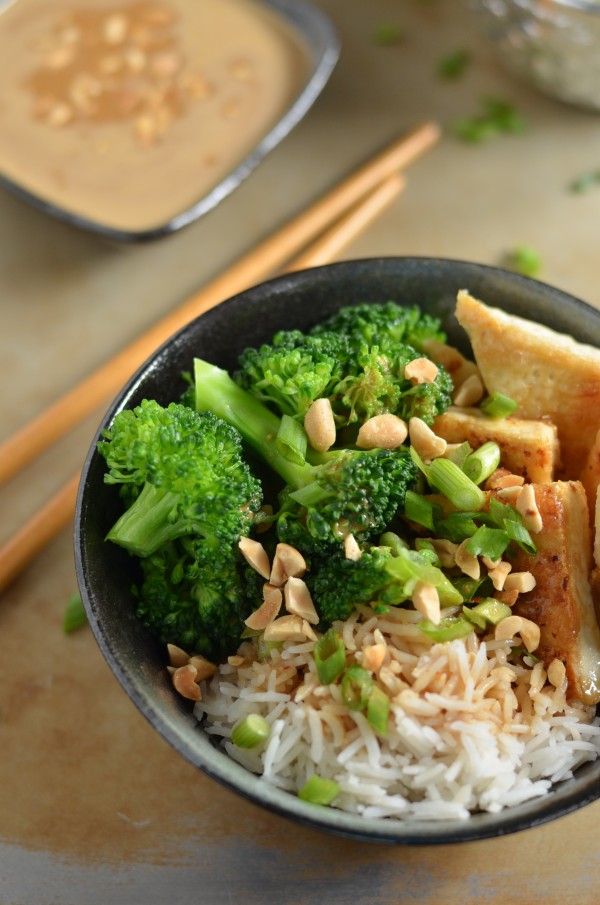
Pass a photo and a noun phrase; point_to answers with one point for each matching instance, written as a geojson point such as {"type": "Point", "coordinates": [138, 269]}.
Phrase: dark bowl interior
{"type": "Point", "coordinates": [105, 571]}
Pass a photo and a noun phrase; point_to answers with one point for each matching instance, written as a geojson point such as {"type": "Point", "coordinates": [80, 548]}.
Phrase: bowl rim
{"type": "Point", "coordinates": [320, 38]}
{"type": "Point", "coordinates": [566, 797]}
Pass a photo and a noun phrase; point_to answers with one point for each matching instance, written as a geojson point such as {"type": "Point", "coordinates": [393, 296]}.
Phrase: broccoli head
{"type": "Point", "coordinates": [183, 474]}
{"type": "Point", "coordinates": [383, 325]}
{"type": "Point", "coordinates": [350, 491]}
{"type": "Point", "coordinates": [294, 370]}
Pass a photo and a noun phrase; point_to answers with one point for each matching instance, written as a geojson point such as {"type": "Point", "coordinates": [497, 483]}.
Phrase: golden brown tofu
{"type": "Point", "coordinates": [590, 475]}
{"type": "Point", "coordinates": [561, 602]}
{"type": "Point", "coordinates": [451, 359]}
{"type": "Point", "coordinates": [546, 373]}
{"type": "Point", "coordinates": [528, 448]}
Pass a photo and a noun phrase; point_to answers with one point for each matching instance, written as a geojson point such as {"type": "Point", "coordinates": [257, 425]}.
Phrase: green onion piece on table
{"type": "Point", "coordinates": [75, 616]}
{"type": "Point", "coordinates": [483, 462]}
{"type": "Point", "coordinates": [357, 685]}
{"type": "Point", "coordinates": [291, 441]}
{"type": "Point", "coordinates": [378, 710]}
{"type": "Point", "coordinates": [496, 405]}
{"type": "Point", "coordinates": [319, 791]}
{"type": "Point", "coordinates": [453, 483]}
{"type": "Point", "coordinates": [250, 732]}
{"type": "Point", "coordinates": [330, 657]}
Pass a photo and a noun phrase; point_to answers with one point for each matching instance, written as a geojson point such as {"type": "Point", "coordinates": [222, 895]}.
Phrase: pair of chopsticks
{"type": "Point", "coordinates": [322, 231]}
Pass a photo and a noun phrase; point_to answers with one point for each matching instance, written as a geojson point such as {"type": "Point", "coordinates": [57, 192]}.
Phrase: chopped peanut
{"type": "Point", "coordinates": [470, 392]}
{"type": "Point", "coordinates": [255, 555]}
{"type": "Point", "coordinates": [177, 656]}
{"type": "Point", "coordinates": [204, 668]}
{"type": "Point", "coordinates": [499, 575]}
{"type": "Point", "coordinates": [286, 628]}
{"type": "Point", "coordinates": [319, 425]}
{"type": "Point", "coordinates": [382, 432]}
{"type": "Point", "coordinates": [446, 551]}
{"type": "Point", "coordinates": [520, 581]}
{"type": "Point", "coordinates": [557, 673]}
{"type": "Point", "coordinates": [426, 601]}
{"type": "Point", "coordinates": [466, 562]}
{"type": "Point", "coordinates": [530, 633]}
{"type": "Point", "coordinates": [507, 597]}
{"type": "Point", "coordinates": [508, 628]}
{"type": "Point", "coordinates": [509, 494]}
{"type": "Point", "coordinates": [527, 507]}
{"type": "Point", "coordinates": [184, 681]}
{"type": "Point", "coordinates": [427, 444]}
{"type": "Point", "coordinates": [351, 549]}
{"type": "Point", "coordinates": [509, 480]}
{"type": "Point", "coordinates": [298, 600]}
{"type": "Point", "coordinates": [287, 562]}
{"type": "Point", "coordinates": [421, 370]}
{"type": "Point", "coordinates": [267, 611]}
{"type": "Point", "coordinates": [374, 656]}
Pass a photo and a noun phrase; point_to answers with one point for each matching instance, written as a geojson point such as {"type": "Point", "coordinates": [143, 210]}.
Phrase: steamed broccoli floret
{"type": "Point", "coordinates": [375, 384]}
{"type": "Point", "coordinates": [184, 474]}
{"type": "Point", "coordinates": [190, 497]}
{"type": "Point", "coordinates": [338, 585]}
{"type": "Point", "coordinates": [194, 596]}
{"type": "Point", "coordinates": [350, 492]}
{"type": "Point", "coordinates": [294, 370]}
{"type": "Point", "coordinates": [383, 325]}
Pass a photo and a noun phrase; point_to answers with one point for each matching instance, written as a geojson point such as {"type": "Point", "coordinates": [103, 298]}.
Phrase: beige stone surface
{"type": "Point", "coordinates": [94, 807]}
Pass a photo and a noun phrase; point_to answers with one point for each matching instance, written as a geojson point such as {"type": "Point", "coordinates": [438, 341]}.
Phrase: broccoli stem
{"type": "Point", "coordinates": [217, 392]}
{"type": "Point", "coordinates": [145, 526]}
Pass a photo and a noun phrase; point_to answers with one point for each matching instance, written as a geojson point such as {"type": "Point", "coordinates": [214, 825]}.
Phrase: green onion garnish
{"type": "Point", "coordinates": [420, 510]}
{"type": "Point", "coordinates": [378, 709]}
{"type": "Point", "coordinates": [459, 455]}
{"type": "Point", "coordinates": [250, 731]}
{"type": "Point", "coordinates": [394, 542]}
{"type": "Point", "coordinates": [585, 182]}
{"type": "Point", "coordinates": [410, 567]}
{"type": "Point", "coordinates": [491, 542]}
{"type": "Point", "coordinates": [330, 657]}
{"type": "Point", "coordinates": [496, 405]}
{"type": "Point", "coordinates": [483, 462]}
{"type": "Point", "coordinates": [357, 685]}
{"type": "Point", "coordinates": [456, 486]}
{"type": "Point", "coordinates": [418, 461]}
{"type": "Point", "coordinates": [469, 587]}
{"type": "Point", "coordinates": [474, 617]}
{"type": "Point", "coordinates": [457, 526]}
{"type": "Point", "coordinates": [453, 66]}
{"type": "Point", "coordinates": [524, 260]}
{"type": "Point", "coordinates": [75, 616]}
{"type": "Point", "coordinates": [492, 610]}
{"type": "Point", "coordinates": [388, 33]}
{"type": "Point", "coordinates": [427, 551]}
{"type": "Point", "coordinates": [447, 629]}
{"type": "Point", "coordinates": [319, 791]}
{"type": "Point", "coordinates": [291, 440]}
{"type": "Point", "coordinates": [520, 535]}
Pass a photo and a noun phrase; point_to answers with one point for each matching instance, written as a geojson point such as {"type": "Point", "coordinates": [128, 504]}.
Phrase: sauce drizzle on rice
{"type": "Point", "coordinates": [473, 726]}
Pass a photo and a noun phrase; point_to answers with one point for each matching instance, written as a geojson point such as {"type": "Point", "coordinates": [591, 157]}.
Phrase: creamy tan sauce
{"type": "Point", "coordinates": [128, 113]}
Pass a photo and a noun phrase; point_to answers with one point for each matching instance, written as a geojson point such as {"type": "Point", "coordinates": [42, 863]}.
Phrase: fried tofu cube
{"type": "Point", "coordinates": [547, 374]}
{"type": "Point", "coordinates": [590, 475]}
{"type": "Point", "coordinates": [561, 602]}
{"type": "Point", "coordinates": [528, 448]}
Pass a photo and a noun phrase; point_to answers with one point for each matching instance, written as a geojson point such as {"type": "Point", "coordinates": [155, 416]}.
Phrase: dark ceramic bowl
{"type": "Point", "coordinates": [104, 571]}
{"type": "Point", "coordinates": [320, 39]}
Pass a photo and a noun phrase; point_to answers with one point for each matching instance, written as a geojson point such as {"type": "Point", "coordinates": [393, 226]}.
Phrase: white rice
{"type": "Point", "coordinates": [469, 730]}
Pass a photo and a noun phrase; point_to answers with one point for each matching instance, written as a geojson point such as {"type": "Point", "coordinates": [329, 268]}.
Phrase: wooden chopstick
{"type": "Point", "coordinates": [23, 546]}
{"type": "Point", "coordinates": [71, 408]}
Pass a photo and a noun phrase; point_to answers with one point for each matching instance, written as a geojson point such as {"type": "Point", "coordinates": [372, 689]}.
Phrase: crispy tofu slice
{"type": "Point", "coordinates": [528, 448]}
{"type": "Point", "coordinates": [590, 475]}
{"type": "Point", "coordinates": [561, 602]}
{"type": "Point", "coordinates": [450, 358]}
{"type": "Point", "coordinates": [547, 374]}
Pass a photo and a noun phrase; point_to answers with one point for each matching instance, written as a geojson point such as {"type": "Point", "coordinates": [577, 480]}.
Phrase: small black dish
{"type": "Point", "coordinates": [297, 300]}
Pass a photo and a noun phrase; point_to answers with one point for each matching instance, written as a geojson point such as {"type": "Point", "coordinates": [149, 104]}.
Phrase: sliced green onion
{"type": "Point", "coordinates": [491, 542]}
{"type": "Point", "coordinates": [310, 494]}
{"type": "Point", "coordinates": [492, 610]}
{"type": "Point", "coordinates": [483, 462]}
{"type": "Point", "coordinates": [356, 687]}
{"type": "Point", "coordinates": [411, 567]}
{"type": "Point", "coordinates": [250, 731]}
{"type": "Point", "coordinates": [474, 617]}
{"type": "Point", "coordinates": [496, 405]}
{"type": "Point", "coordinates": [393, 541]}
{"type": "Point", "coordinates": [456, 486]}
{"type": "Point", "coordinates": [265, 648]}
{"type": "Point", "coordinates": [469, 587]}
{"type": "Point", "coordinates": [427, 551]}
{"type": "Point", "coordinates": [498, 512]}
{"type": "Point", "coordinates": [457, 527]}
{"type": "Point", "coordinates": [378, 710]}
{"type": "Point", "coordinates": [524, 260]}
{"type": "Point", "coordinates": [520, 535]}
{"type": "Point", "coordinates": [388, 33]}
{"type": "Point", "coordinates": [459, 455]}
{"type": "Point", "coordinates": [447, 629]}
{"type": "Point", "coordinates": [380, 609]}
{"type": "Point", "coordinates": [420, 510]}
{"type": "Point", "coordinates": [319, 790]}
{"type": "Point", "coordinates": [330, 657]}
{"type": "Point", "coordinates": [291, 440]}
{"type": "Point", "coordinates": [75, 616]}
{"type": "Point", "coordinates": [424, 469]}
{"type": "Point", "coordinates": [453, 66]}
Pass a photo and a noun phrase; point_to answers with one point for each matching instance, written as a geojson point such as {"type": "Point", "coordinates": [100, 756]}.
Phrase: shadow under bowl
{"type": "Point", "coordinates": [104, 570]}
